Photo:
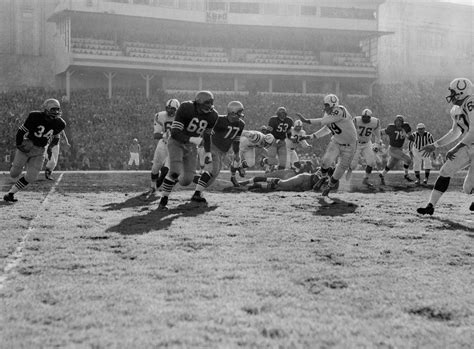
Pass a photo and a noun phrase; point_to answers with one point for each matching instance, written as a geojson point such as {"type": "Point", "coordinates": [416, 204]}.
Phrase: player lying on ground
{"type": "Point", "coordinates": [301, 182]}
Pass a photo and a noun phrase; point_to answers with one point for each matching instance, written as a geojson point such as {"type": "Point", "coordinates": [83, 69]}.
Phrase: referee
{"type": "Point", "coordinates": [422, 138]}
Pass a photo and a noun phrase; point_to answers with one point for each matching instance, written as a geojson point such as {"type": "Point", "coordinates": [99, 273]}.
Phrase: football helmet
{"type": "Point", "coordinates": [235, 109]}
{"type": "Point", "coordinates": [366, 115]}
{"type": "Point", "coordinates": [52, 108]}
{"type": "Point", "coordinates": [298, 125]}
{"type": "Point", "coordinates": [281, 112]}
{"type": "Point", "coordinates": [330, 101]}
{"type": "Point", "coordinates": [268, 140]}
{"type": "Point", "coordinates": [264, 129]}
{"type": "Point", "coordinates": [459, 89]}
{"type": "Point", "coordinates": [399, 120]}
{"type": "Point", "coordinates": [204, 101]}
{"type": "Point", "coordinates": [171, 106]}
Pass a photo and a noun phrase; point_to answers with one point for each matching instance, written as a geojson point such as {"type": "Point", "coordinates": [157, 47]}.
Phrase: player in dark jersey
{"type": "Point", "coordinates": [397, 133]}
{"type": "Point", "coordinates": [192, 120]}
{"type": "Point", "coordinates": [279, 125]}
{"type": "Point", "coordinates": [39, 128]}
{"type": "Point", "coordinates": [225, 134]}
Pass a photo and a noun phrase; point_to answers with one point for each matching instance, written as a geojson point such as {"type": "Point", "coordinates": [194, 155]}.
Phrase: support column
{"type": "Point", "coordinates": [147, 78]}
{"type": "Point", "coordinates": [200, 83]}
{"type": "Point", "coordinates": [69, 73]}
{"type": "Point", "coordinates": [236, 84]}
{"type": "Point", "coordinates": [270, 85]}
{"type": "Point", "coordinates": [110, 75]}
{"type": "Point", "coordinates": [303, 86]}
{"type": "Point", "coordinates": [338, 88]}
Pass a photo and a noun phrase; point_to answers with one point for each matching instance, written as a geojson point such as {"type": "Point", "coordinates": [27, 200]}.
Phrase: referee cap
{"type": "Point", "coordinates": [421, 125]}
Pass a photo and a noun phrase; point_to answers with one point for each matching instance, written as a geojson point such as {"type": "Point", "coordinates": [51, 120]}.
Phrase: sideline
{"type": "Point", "coordinates": [14, 259]}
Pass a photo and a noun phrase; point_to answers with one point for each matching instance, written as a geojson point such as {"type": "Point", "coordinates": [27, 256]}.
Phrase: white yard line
{"type": "Point", "coordinates": [15, 258]}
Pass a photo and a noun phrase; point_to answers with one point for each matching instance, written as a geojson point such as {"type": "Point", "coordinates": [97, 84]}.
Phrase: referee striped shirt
{"type": "Point", "coordinates": [421, 140]}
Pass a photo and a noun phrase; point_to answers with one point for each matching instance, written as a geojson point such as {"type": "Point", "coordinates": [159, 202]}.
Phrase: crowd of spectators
{"type": "Point", "coordinates": [100, 129]}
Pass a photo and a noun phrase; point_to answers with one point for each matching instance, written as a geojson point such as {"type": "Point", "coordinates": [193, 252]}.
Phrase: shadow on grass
{"type": "Point", "coordinates": [144, 199]}
{"type": "Point", "coordinates": [159, 220]}
{"type": "Point", "coordinates": [338, 208]}
{"type": "Point", "coordinates": [451, 225]}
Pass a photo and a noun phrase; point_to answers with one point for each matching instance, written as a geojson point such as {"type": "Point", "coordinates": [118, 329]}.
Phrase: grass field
{"type": "Point", "coordinates": [87, 261]}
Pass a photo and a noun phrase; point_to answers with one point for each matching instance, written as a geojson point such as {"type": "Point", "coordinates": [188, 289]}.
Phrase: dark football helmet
{"type": "Point", "coordinates": [204, 101]}
{"type": "Point", "coordinates": [235, 109]}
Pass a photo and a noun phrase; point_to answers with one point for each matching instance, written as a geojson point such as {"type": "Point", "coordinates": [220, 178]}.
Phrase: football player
{"type": "Point", "coordinates": [225, 134]}
{"type": "Point", "coordinates": [192, 120]}
{"type": "Point", "coordinates": [366, 126]}
{"type": "Point", "coordinates": [297, 137]}
{"type": "Point", "coordinates": [300, 182]}
{"type": "Point", "coordinates": [397, 133]}
{"type": "Point", "coordinates": [52, 154]}
{"type": "Point", "coordinates": [39, 128]}
{"type": "Point", "coordinates": [249, 141]}
{"type": "Point", "coordinates": [161, 131]}
{"type": "Point", "coordinates": [279, 126]}
{"type": "Point", "coordinates": [462, 154]}
{"type": "Point", "coordinates": [337, 121]}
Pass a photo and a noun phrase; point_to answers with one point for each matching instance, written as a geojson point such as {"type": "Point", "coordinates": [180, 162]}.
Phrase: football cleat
{"type": "Point", "coordinates": [366, 182]}
{"type": "Point", "coordinates": [429, 209]}
{"type": "Point", "coordinates": [417, 181]}
{"type": "Point", "coordinates": [425, 181]}
{"type": "Point", "coordinates": [234, 181]}
{"type": "Point", "coordinates": [9, 198]}
{"type": "Point", "coordinates": [163, 203]}
{"type": "Point", "coordinates": [382, 179]}
{"type": "Point", "coordinates": [47, 175]}
{"type": "Point", "coordinates": [407, 178]}
{"type": "Point", "coordinates": [320, 183]}
{"type": "Point", "coordinates": [471, 208]}
{"type": "Point", "coordinates": [241, 171]}
{"type": "Point", "coordinates": [197, 197]}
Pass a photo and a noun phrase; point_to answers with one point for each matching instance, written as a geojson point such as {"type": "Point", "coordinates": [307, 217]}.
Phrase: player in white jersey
{"type": "Point", "coordinates": [297, 138]}
{"type": "Point", "coordinates": [249, 140]}
{"type": "Point", "coordinates": [462, 154]}
{"type": "Point", "coordinates": [366, 126]}
{"type": "Point", "coordinates": [161, 131]}
{"type": "Point", "coordinates": [338, 122]}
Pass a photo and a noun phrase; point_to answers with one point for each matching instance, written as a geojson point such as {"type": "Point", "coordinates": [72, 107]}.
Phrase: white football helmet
{"type": "Point", "coordinates": [268, 140]}
{"type": "Point", "coordinates": [459, 89]}
{"type": "Point", "coordinates": [330, 101]}
{"type": "Point", "coordinates": [52, 108]}
{"type": "Point", "coordinates": [171, 106]}
{"type": "Point", "coordinates": [298, 125]}
{"type": "Point", "coordinates": [366, 115]}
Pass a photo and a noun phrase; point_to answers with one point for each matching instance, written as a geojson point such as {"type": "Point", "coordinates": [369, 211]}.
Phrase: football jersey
{"type": "Point", "coordinates": [280, 128]}
{"type": "Point", "coordinates": [397, 136]}
{"type": "Point", "coordinates": [366, 130]}
{"type": "Point", "coordinates": [465, 120]}
{"type": "Point", "coordinates": [252, 139]}
{"type": "Point", "coordinates": [162, 124]}
{"type": "Point", "coordinates": [226, 132]}
{"type": "Point", "coordinates": [341, 125]}
{"type": "Point", "coordinates": [188, 122]}
{"type": "Point", "coordinates": [40, 128]}
{"type": "Point", "coordinates": [296, 137]}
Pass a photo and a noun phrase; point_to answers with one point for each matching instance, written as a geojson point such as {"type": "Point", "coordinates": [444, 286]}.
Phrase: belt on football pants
{"type": "Point", "coordinates": [344, 145]}
{"type": "Point", "coordinates": [362, 142]}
